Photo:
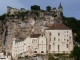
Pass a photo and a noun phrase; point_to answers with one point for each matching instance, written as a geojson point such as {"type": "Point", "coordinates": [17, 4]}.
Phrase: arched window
{"type": "Point", "coordinates": [35, 51]}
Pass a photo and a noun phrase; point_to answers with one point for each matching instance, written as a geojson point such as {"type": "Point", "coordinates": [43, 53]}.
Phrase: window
{"type": "Point", "coordinates": [42, 41]}
{"type": "Point", "coordinates": [50, 38]}
{"type": "Point", "coordinates": [42, 51]}
{"type": "Point", "coordinates": [63, 51]}
{"type": "Point", "coordinates": [49, 34]}
{"type": "Point", "coordinates": [67, 45]}
{"type": "Point", "coordinates": [64, 31]}
{"type": "Point", "coordinates": [54, 39]}
{"type": "Point", "coordinates": [58, 39]}
{"type": "Point", "coordinates": [58, 34]}
{"type": "Point", "coordinates": [69, 37]}
{"type": "Point", "coordinates": [53, 51]}
{"type": "Point", "coordinates": [42, 47]}
{"type": "Point", "coordinates": [35, 51]}
{"type": "Point", "coordinates": [64, 39]}
{"type": "Point", "coordinates": [34, 41]}
{"type": "Point", "coordinates": [53, 44]}
{"type": "Point", "coordinates": [49, 46]}
{"type": "Point", "coordinates": [58, 48]}
{"type": "Point", "coordinates": [67, 40]}
{"type": "Point", "coordinates": [67, 31]}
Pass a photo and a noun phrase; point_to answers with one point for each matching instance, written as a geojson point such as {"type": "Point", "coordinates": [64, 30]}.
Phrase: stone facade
{"type": "Point", "coordinates": [4, 56]}
{"type": "Point", "coordinates": [31, 24]}
{"type": "Point", "coordinates": [56, 39]}
{"type": "Point", "coordinates": [59, 39]}
{"type": "Point", "coordinates": [14, 10]}
{"type": "Point", "coordinates": [35, 44]}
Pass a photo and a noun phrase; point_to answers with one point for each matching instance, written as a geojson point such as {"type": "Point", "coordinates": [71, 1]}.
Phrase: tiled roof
{"type": "Point", "coordinates": [54, 8]}
{"type": "Point", "coordinates": [34, 35]}
{"type": "Point", "coordinates": [58, 26]}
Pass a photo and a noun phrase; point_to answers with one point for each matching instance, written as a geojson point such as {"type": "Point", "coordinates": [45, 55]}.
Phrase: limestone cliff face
{"type": "Point", "coordinates": [21, 28]}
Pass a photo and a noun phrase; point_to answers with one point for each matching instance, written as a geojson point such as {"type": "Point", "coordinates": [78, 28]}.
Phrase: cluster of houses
{"type": "Point", "coordinates": [49, 35]}
{"type": "Point", "coordinates": [4, 56]}
{"type": "Point", "coordinates": [57, 39]}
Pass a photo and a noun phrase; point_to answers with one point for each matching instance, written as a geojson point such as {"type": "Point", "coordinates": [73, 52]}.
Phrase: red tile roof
{"type": "Point", "coordinates": [58, 26]}
{"type": "Point", "coordinates": [34, 35]}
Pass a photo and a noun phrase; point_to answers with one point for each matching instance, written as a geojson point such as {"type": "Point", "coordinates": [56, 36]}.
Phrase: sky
{"type": "Point", "coordinates": [71, 8]}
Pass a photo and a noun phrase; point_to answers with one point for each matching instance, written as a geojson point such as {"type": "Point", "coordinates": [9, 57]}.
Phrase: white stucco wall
{"type": "Point", "coordinates": [61, 40]}
{"type": "Point", "coordinates": [51, 43]}
{"type": "Point", "coordinates": [42, 44]}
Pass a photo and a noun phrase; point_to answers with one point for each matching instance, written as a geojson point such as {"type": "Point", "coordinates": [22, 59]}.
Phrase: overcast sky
{"type": "Point", "coordinates": [71, 8]}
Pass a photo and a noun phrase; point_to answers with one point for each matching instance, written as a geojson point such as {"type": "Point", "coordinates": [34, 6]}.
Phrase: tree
{"type": "Point", "coordinates": [77, 38]}
{"type": "Point", "coordinates": [74, 24]}
{"type": "Point", "coordinates": [76, 53]}
{"type": "Point", "coordinates": [50, 57]}
{"type": "Point", "coordinates": [2, 17]}
{"type": "Point", "coordinates": [35, 7]}
{"type": "Point", "coordinates": [48, 8]}
{"type": "Point", "coordinates": [21, 14]}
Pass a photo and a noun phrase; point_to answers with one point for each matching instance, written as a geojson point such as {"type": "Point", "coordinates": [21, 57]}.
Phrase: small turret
{"type": "Point", "coordinates": [60, 8]}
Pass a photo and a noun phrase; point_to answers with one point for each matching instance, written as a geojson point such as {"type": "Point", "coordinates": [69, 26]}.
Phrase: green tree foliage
{"type": "Point", "coordinates": [76, 53]}
{"type": "Point", "coordinates": [48, 8]}
{"type": "Point", "coordinates": [74, 24]}
{"type": "Point", "coordinates": [2, 17]}
{"type": "Point", "coordinates": [35, 7]}
{"type": "Point", "coordinates": [21, 14]}
{"type": "Point", "coordinates": [36, 12]}
{"type": "Point", "coordinates": [50, 57]}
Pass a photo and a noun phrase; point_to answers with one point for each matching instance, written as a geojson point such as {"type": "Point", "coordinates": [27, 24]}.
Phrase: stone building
{"type": "Point", "coordinates": [31, 24]}
{"type": "Point", "coordinates": [14, 10]}
{"type": "Point", "coordinates": [59, 39]}
{"type": "Point", "coordinates": [35, 44]}
{"type": "Point", "coordinates": [4, 56]}
{"type": "Point", "coordinates": [60, 8]}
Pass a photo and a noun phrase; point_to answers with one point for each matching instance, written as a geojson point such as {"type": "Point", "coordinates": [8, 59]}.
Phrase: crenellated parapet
{"type": "Point", "coordinates": [11, 10]}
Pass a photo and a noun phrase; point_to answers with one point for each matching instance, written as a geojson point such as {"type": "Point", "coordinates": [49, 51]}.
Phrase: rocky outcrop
{"type": "Point", "coordinates": [20, 28]}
